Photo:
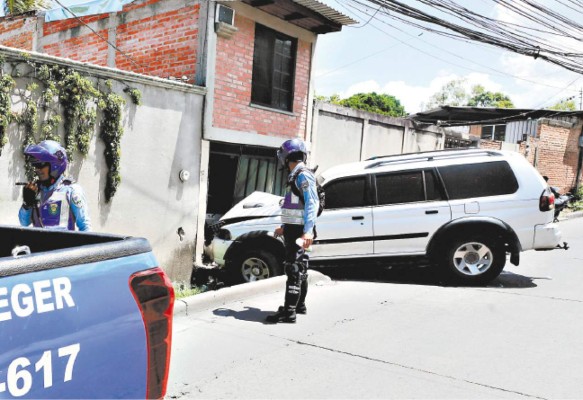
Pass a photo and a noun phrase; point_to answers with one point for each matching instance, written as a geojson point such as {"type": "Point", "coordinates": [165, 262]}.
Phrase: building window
{"type": "Point", "coordinates": [274, 60]}
{"type": "Point", "coordinates": [494, 132]}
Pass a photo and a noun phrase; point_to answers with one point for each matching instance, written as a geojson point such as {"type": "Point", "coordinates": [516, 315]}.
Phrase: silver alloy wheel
{"type": "Point", "coordinates": [255, 269]}
{"type": "Point", "coordinates": [473, 258]}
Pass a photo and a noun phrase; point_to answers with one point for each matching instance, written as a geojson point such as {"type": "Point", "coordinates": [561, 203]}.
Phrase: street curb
{"type": "Point", "coordinates": [215, 298]}
{"type": "Point", "coordinates": [575, 214]}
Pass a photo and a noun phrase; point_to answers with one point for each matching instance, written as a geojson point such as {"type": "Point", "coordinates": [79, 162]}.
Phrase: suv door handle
{"type": "Point", "coordinates": [358, 217]}
{"type": "Point", "coordinates": [431, 211]}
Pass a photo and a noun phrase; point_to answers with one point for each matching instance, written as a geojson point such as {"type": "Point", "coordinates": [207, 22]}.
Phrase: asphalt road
{"type": "Point", "coordinates": [380, 333]}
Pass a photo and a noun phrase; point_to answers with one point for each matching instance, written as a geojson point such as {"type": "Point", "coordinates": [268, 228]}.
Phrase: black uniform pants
{"type": "Point", "coordinates": [296, 268]}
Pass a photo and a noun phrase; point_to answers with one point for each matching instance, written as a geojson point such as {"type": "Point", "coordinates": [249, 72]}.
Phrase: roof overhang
{"type": "Point", "coordinates": [458, 116]}
{"type": "Point", "coordinates": [307, 14]}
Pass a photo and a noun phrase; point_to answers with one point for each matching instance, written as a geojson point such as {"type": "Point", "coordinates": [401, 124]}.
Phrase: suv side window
{"type": "Point", "coordinates": [346, 193]}
{"type": "Point", "coordinates": [406, 187]}
{"type": "Point", "coordinates": [478, 180]}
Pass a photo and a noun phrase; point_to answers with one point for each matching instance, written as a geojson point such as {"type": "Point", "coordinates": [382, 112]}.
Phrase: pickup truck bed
{"type": "Point", "coordinates": [82, 316]}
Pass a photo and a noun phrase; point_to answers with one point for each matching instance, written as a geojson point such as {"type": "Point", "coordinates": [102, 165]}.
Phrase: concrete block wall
{"type": "Point", "coordinates": [18, 32]}
{"type": "Point", "coordinates": [161, 138]}
{"type": "Point", "coordinates": [233, 79]}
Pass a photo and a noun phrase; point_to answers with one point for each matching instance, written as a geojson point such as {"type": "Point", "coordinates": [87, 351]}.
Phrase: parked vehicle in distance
{"type": "Point", "coordinates": [460, 210]}
{"type": "Point", "coordinates": [82, 315]}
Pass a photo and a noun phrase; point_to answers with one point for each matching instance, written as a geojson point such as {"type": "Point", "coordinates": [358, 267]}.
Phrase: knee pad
{"type": "Point", "coordinates": [292, 269]}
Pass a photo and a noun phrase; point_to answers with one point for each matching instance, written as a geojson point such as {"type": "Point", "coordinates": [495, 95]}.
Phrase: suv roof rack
{"type": "Point", "coordinates": [428, 156]}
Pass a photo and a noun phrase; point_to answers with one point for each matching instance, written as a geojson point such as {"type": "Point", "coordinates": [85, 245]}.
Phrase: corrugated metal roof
{"type": "Point", "coordinates": [326, 11]}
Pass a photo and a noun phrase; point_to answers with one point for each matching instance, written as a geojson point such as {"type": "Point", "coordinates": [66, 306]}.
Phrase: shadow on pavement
{"type": "Point", "coordinates": [415, 275]}
{"type": "Point", "coordinates": [249, 314]}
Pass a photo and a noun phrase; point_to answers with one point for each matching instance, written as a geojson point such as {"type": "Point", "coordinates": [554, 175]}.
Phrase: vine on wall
{"type": "Point", "coordinates": [68, 98]}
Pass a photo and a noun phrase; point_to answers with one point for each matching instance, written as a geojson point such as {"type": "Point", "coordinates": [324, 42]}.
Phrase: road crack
{"type": "Point", "coordinates": [416, 369]}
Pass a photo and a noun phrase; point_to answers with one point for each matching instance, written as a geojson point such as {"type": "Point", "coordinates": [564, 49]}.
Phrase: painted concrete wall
{"type": "Point", "coordinates": [341, 135]}
{"type": "Point", "coordinates": [161, 137]}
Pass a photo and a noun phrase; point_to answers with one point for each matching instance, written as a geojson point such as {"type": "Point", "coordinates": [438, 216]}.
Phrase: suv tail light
{"type": "Point", "coordinates": [547, 200]}
{"type": "Point", "coordinates": [154, 294]}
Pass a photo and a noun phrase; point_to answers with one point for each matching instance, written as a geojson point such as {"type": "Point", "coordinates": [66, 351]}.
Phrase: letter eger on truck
{"type": "Point", "coordinates": [82, 316]}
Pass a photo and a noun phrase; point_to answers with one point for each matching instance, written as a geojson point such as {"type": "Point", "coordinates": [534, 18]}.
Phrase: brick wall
{"type": "Point", "coordinates": [159, 43]}
{"type": "Point", "coordinates": [234, 67]}
{"type": "Point", "coordinates": [557, 154]}
{"type": "Point", "coordinates": [86, 48]}
{"type": "Point", "coordinates": [554, 152]}
{"type": "Point", "coordinates": [163, 44]}
{"type": "Point", "coordinates": [18, 32]}
{"type": "Point", "coordinates": [490, 144]}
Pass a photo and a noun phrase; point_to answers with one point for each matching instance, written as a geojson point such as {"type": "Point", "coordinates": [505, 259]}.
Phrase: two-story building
{"type": "Point", "coordinates": [254, 57]}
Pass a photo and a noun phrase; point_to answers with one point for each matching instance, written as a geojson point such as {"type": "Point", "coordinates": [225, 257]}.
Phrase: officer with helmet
{"type": "Point", "coordinates": [299, 213]}
{"type": "Point", "coordinates": [52, 201]}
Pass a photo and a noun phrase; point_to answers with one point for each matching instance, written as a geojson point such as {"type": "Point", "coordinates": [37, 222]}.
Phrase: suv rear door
{"type": "Point", "coordinates": [411, 206]}
{"type": "Point", "coordinates": [345, 226]}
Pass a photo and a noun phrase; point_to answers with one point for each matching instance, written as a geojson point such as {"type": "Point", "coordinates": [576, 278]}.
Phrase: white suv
{"type": "Point", "coordinates": [461, 210]}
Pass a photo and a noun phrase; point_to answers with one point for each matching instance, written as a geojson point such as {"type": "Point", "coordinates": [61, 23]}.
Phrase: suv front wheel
{"type": "Point", "coordinates": [253, 265]}
{"type": "Point", "coordinates": [473, 260]}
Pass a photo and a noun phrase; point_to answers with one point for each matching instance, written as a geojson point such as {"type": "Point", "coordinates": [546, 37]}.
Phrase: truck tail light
{"type": "Point", "coordinates": [547, 200]}
{"type": "Point", "coordinates": [154, 294]}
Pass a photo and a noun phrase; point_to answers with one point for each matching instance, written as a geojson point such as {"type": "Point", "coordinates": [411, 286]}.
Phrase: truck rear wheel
{"type": "Point", "coordinates": [254, 265]}
{"type": "Point", "coordinates": [473, 260]}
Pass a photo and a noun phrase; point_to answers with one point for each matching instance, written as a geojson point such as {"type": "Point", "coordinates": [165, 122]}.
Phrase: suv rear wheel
{"type": "Point", "coordinates": [473, 260]}
{"type": "Point", "coordinates": [253, 265]}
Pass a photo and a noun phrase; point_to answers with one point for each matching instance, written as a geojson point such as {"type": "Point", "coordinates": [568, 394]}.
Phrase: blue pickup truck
{"type": "Point", "coordinates": [82, 315]}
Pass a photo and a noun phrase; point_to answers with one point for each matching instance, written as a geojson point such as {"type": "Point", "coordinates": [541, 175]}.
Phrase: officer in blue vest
{"type": "Point", "coordinates": [52, 201]}
{"type": "Point", "coordinates": [299, 212]}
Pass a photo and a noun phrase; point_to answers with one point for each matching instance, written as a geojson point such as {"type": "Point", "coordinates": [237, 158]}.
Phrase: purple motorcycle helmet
{"type": "Point", "coordinates": [290, 147]}
{"type": "Point", "coordinates": [49, 151]}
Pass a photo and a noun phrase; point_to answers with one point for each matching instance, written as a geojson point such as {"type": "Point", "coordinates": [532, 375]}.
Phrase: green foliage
{"type": "Point", "coordinates": [482, 98]}
{"type": "Point", "coordinates": [564, 105]}
{"type": "Point", "coordinates": [454, 94]}
{"type": "Point", "coordinates": [111, 105]}
{"type": "Point", "coordinates": [334, 99]}
{"type": "Point", "coordinates": [54, 89]}
{"type": "Point", "coordinates": [22, 6]}
{"type": "Point", "coordinates": [75, 92]}
{"type": "Point", "coordinates": [183, 289]}
{"type": "Point", "coordinates": [6, 86]}
{"type": "Point", "coordinates": [372, 102]}
{"type": "Point", "coordinates": [50, 128]}
{"type": "Point", "coordinates": [135, 95]}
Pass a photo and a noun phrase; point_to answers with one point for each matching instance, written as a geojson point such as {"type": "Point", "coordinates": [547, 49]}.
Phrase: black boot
{"type": "Point", "coordinates": [300, 309]}
{"type": "Point", "coordinates": [281, 316]}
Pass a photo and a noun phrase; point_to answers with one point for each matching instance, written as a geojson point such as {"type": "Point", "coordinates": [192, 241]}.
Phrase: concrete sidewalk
{"type": "Point", "coordinates": [217, 298]}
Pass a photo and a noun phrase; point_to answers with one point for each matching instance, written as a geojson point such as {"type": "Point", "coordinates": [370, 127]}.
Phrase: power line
{"type": "Point", "coordinates": [431, 55]}
{"type": "Point", "coordinates": [478, 28]}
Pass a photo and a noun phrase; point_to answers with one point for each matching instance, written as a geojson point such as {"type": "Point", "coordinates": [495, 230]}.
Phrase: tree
{"type": "Point", "coordinates": [334, 99]}
{"type": "Point", "coordinates": [483, 98]}
{"type": "Point", "coordinates": [564, 105]}
{"type": "Point", "coordinates": [377, 103]}
{"type": "Point", "coordinates": [453, 93]}
{"type": "Point", "coordinates": [21, 6]}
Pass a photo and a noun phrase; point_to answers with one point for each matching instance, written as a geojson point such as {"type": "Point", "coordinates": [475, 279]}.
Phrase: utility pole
{"type": "Point", "coordinates": [581, 99]}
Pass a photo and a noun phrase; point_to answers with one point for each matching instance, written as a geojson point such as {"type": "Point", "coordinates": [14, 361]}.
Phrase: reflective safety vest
{"type": "Point", "coordinates": [292, 209]}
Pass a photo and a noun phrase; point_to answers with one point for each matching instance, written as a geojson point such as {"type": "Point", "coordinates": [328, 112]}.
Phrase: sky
{"type": "Point", "coordinates": [411, 64]}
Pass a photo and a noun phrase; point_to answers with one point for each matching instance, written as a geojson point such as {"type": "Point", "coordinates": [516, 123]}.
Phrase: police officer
{"type": "Point", "coordinates": [52, 201]}
{"type": "Point", "coordinates": [299, 212]}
